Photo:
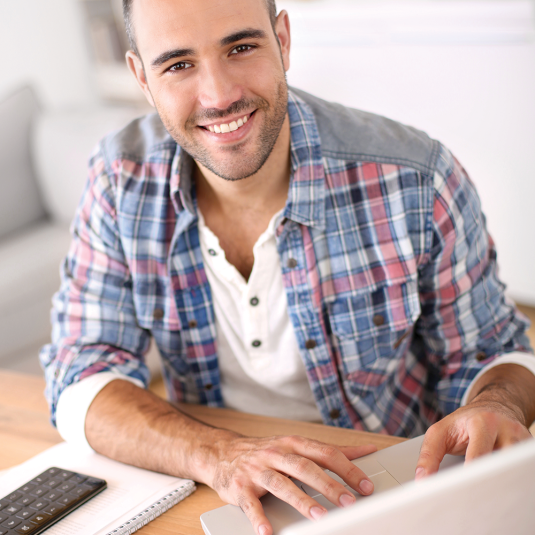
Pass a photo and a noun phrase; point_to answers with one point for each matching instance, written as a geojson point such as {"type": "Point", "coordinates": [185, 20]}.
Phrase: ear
{"type": "Point", "coordinates": [282, 29]}
{"type": "Point", "coordinates": [136, 68]}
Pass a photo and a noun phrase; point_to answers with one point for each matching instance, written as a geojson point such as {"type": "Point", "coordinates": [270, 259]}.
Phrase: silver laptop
{"type": "Point", "coordinates": [388, 469]}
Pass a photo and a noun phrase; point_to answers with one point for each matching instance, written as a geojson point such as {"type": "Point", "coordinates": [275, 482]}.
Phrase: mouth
{"type": "Point", "coordinates": [232, 126]}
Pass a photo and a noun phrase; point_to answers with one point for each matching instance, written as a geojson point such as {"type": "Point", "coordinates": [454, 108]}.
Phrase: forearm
{"type": "Point", "coordinates": [132, 425]}
{"type": "Point", "coordinates": [509, 385]}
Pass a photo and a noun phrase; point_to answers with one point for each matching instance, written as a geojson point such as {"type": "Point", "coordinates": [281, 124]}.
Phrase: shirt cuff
{"type": "Point", "coordinates": [527, 360]}
{"type": "Point", "coordinates": [74, 402]}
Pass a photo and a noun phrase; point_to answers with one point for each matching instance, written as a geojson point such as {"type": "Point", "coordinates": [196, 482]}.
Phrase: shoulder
{"type": "Point", "coordinates": [141, 140]}
{"type": "Point", "coordinates": [351, 134]}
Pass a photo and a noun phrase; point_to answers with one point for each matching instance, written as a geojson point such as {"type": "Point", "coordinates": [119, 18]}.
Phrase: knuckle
{"type": "Point", "coordinates": [328, 452]}
{"type": "Point", "coordinates": [271, 480]}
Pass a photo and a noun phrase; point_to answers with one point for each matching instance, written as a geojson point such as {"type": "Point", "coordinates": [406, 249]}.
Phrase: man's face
{"type": "Point", "coordinates": [216, 74]}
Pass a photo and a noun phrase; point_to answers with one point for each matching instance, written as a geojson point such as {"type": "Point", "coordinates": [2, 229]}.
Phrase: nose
{"type": "Point", "coordinates": [217, 87]}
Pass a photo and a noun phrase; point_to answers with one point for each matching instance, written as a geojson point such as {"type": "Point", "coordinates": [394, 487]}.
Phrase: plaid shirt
{"type": "Point", "coordinates": [389, 272]}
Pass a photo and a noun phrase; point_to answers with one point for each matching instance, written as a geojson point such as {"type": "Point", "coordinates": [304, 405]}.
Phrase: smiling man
{"type": "Point", "coordinates": [290, 257]}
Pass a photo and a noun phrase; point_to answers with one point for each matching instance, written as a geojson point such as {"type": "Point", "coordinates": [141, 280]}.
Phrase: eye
{"type": "Point", "coordinates": [241, 48]}
{"type": "Point", "coordinates": [180, 66]}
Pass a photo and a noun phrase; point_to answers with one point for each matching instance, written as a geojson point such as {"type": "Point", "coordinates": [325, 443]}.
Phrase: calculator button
{"type": "Point", "coordinates": [26, 528]}
{"type": "Point", "coordinates": [5, 531]}
{"type": "Point", "coordinates": [26, 500]}
{"type": "Point", "coordinates": [78, 478]}
{"type": "Point", "coordinates": [12, 509]}
{"type": "Point", "coordinates": [25, 513]}
{"type": "Point", "coordinates": [81, 491]}
{"type": "Point", "coordinates": [54, 509]}
{"type": "Point", "coordinates": [53, 483]}
{"type": "Point", "coordinates": [39, 504]}
{"type": "Point", "coordinates": [53, 496]}
{"type": "Point", "coordinates": [67, 500]}
{"type": "Point", "coordinates": [11, 523]}
{"type": "Point", "coordinates": [27, 488]}
{"type": "Point", "coordinates": [65, 474]}
{"type": "Point", "coordinates": [3, 518]}
{"type": "Point", "coordinates": [39, 480]}
{"type": "Point", "coordinates": [39, 519]}
{"type": "Point", "coordinates": [66, 486]}
{"type": "Point", "coordinates": [4, 503]}
{"type": "Point", "coordinates": [13, 497]}
{"type": "Point", "coordinates": [39, 491]}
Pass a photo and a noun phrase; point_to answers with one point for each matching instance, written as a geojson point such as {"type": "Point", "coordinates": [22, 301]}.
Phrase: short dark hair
{"type": "Point", "coordinates": [127, 13]}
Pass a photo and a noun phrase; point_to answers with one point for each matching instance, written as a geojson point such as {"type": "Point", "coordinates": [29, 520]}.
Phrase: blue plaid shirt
{"type": "Point", "coordinates": [389, 272]}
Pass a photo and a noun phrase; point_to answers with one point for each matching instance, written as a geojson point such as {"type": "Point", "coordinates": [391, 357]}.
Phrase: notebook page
{"type": "Point", "coordinates": [130, 490]}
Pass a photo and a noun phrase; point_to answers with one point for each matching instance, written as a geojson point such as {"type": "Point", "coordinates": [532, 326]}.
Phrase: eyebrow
{"type": "Point", "coordinates": [228, 40]}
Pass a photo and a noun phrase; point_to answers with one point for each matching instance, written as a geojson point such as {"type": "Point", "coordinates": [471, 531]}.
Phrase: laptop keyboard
{"type": "Point", "coordinates": [44, 500]}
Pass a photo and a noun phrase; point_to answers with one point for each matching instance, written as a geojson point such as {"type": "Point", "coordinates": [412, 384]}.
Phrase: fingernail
{"type": "Point", "coordinates": [263, 529]}
{"type": "Point", "coordinates": [317, 512]}
{"type": "Point", "coordinates": [347, 499]}
{"type": "Point", "coordinates": [420, 472]}
{"type": "Point", "coordinates": [366, 486]}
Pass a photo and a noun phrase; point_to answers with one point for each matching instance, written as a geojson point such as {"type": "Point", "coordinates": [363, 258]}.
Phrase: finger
{"type": "Point", "coordinates": [481, 440]}
{"type": "Point", "coordinates": [253, 510]}
{"type": "Point", "coordinates": [355, 452]}
{"type": "Point", "coordinates": [284, 489]}
{"type": "Point", "coordinates": [334, 489]}
{"type": "Point", "coordinates": [433, 449]}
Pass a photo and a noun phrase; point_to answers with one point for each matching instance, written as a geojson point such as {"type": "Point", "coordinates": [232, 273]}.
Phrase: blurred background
{"type": "Point", "coordinates": [464, 71]}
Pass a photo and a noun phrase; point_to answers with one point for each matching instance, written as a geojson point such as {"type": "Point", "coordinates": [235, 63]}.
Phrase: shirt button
{"type": "Point", "coordinates": [292, 262]}
{"type": "Point", "coordinates": [254, 301]}
{"type": "Point", "coordinates": [378, 320]}
{"type": "Point", "coordinates": [310, 344]}
{"type": "Point", "coordinates": [209, 386]}
{"type": "Point", "coordinates": [256, 343]}
{"type": "Point", "coordinates": [212, 252]}
{"type": "Point", "coordinates": [192, 324]}
{"type": "Point", "coordinates": [157, 314]}
{"type": "Point", "coordinates": [334, 414]}
{"type": "Point", "coordinates": [481, 356]}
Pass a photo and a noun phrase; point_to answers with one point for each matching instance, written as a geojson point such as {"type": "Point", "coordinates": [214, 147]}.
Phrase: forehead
{"type": "Point", "coordinates": [169, 23]}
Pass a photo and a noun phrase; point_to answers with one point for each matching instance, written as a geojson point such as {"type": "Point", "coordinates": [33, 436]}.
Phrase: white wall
{"type": "Point", "coordinates": [462, 71]}
{"type": "Point", "coordinates": [42, 43]}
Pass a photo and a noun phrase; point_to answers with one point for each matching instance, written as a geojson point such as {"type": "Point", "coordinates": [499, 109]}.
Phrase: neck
{"type": "Point", "coordinates": [264, 193]}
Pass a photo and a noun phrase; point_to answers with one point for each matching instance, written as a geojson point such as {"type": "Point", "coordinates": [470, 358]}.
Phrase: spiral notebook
{"type": "Point", "coordinates": [133, 498]}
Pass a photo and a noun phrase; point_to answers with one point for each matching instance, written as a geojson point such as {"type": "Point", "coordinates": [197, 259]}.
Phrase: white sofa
{"type": "Point", "coordinates": [43, 163]}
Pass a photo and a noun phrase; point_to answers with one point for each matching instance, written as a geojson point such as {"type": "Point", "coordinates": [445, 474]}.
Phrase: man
{"type": "Point", "coordinates": [289, 257]}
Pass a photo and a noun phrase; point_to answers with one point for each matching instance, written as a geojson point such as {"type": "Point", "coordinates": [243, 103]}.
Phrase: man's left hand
{"type": "Point", "coordinates": [496, 417]}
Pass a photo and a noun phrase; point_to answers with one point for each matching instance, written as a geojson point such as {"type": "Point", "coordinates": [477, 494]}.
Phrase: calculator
{"type": "Point", "coordinates": [44, 500]}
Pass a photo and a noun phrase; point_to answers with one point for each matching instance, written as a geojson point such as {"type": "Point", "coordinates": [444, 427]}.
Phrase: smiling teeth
{"type": "Point", "coordinates": [225, 128]}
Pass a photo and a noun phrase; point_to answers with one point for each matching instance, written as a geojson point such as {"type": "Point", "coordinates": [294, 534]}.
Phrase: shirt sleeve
{"type": "Point", "coordinates": [466, 319]}
{"type": "Point", "coordinates": [94, 326]}
{"type": "Point", "coordinates": [521, 359]}
{"type": "Point", "coordinates": [74, 402]}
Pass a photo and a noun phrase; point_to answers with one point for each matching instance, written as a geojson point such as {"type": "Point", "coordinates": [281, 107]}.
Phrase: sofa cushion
{"type": "Point", "coordinates": [29, 276]}
{"type": "Point", "coordinates": [63, 142]}
{"type": "Point", "coordinates": [20, 200]}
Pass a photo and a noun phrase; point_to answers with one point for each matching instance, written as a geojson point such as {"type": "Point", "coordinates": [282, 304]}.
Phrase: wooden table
{"type": "Point", "coordinates": [25, 431]}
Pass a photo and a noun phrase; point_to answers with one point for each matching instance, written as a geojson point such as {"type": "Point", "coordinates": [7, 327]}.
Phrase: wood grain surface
{"type": "Point", "coordinates": [25, 431]}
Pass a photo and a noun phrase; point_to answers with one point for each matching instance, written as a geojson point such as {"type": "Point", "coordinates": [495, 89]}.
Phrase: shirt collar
{"type": "Point", "coordinates": [306, 194]}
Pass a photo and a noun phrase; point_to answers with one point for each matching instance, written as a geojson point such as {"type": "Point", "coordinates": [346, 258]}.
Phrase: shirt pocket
{"type": "Point", "coordinates": [371, 330]}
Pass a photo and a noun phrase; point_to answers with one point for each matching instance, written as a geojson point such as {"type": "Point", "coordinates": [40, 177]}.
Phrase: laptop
{"type": "Point", "coordinates": [493, 495]}
{"type": "Point", "coordinates": [388, 469]}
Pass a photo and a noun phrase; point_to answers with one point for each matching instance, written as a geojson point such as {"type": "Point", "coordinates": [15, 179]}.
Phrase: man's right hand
{"type": "Point", "coordinates": [247, 468]}
{"type": "Point", "coordinates": [132, 425]}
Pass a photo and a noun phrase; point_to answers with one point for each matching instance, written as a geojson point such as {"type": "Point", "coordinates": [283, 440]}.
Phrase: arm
{"type": "Point", "coordinates": [468, 323]}
{"type": "Point", "coordinates": [497, 415]}
{"type": "Point", "coordinates": [134, 426]}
